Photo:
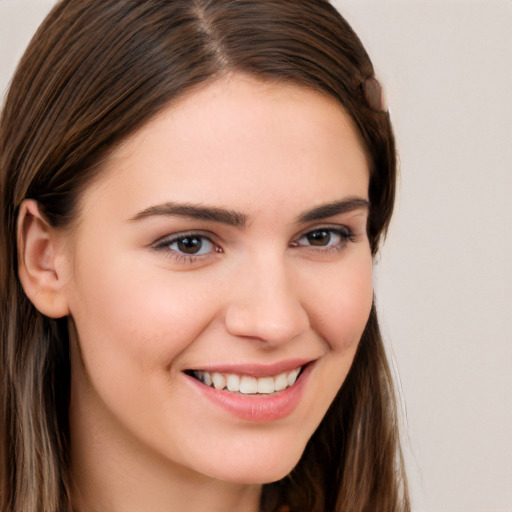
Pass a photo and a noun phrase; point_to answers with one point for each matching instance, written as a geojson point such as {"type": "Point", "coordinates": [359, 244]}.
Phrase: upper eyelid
{"type": "Point", "coordinates": [327, 226]}
{"type": "Point", "coordinates": [168, 239]}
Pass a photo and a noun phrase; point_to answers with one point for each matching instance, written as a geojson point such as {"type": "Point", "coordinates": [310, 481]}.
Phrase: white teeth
{"type": "Point", "coordinates": [281, 382]}
{"type": "Point", "coordinates": [249, 385]}
{"type": "Point", "coordinates": [292, 376]}
{"type": "Point", "coordinates": [266, 385]}
{"type": "Point", "coordinates": [233, 383]}
{"type": "Point", "coordinates": [206, 378]}
{"type": "Point", "coordinates": [218, 380]}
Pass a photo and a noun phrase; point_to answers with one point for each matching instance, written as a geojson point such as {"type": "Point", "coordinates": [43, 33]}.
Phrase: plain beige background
{"type": "Point", "coordinates": [444, 277]}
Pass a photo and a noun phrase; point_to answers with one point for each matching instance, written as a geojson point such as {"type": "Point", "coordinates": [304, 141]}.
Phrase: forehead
{"type": "Point", "coordinates": [240, 139]}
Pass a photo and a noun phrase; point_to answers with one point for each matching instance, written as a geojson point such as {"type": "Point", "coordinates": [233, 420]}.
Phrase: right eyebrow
{"type": "Point", "coordinates": [325, 211]}
{"type": "Point", "coordinates": [194, 211]}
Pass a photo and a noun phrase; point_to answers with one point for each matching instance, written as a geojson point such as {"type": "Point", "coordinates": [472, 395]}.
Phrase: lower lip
{"type": "Point", "coordinates": [256, 408]}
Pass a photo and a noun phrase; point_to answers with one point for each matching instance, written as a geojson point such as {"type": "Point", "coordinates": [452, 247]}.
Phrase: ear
{"type": "Point", "coordinates": [37, 261]}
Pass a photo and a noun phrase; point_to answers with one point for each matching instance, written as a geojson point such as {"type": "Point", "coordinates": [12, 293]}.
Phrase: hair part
{"type": "Point", "coordinates": [96, 72]}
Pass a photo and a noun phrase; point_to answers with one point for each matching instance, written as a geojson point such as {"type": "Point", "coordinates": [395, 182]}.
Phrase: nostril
{"type": "Point", "coordinates": [266, 324]}
{"type": "Point", "coordinates": [267, 308]}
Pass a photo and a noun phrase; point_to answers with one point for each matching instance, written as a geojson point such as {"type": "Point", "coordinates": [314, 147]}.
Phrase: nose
{"type": "Point", "coordinates": [264, 305]}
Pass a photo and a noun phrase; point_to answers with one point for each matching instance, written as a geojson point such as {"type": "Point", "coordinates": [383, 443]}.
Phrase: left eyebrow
{"type": "Point", "coordinates": [325, 211]}
{"type": "Point", "coordinates": [194, 211]}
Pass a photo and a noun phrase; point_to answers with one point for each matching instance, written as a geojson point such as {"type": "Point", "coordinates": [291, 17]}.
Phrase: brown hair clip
{"type": "Point", "coordinates": [373, 94]}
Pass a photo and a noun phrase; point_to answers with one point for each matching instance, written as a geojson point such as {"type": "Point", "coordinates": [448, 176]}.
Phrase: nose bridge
{"type": "Point", "coordinates": [264, 302]}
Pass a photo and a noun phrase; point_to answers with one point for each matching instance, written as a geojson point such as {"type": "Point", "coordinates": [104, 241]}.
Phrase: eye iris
{"type": "Point", "coordinates": [190, 245]}
{"type": "Point", "coordinates": [321, 237]}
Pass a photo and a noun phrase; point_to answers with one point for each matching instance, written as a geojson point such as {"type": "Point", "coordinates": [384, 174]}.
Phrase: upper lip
{"type": "Point", "coordinates": [254, 369]}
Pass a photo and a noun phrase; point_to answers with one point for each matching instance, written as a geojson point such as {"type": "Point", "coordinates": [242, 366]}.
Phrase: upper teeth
{"type": "Point", "coordinates": [246, 384]}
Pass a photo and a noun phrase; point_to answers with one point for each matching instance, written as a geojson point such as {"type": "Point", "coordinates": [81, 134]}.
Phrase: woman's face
{"type": "Point", "coordinates": [224, 244]}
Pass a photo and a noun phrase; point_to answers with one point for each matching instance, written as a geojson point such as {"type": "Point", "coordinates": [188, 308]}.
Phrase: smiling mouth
{"type": "Point", "coordinates": [246, 384]}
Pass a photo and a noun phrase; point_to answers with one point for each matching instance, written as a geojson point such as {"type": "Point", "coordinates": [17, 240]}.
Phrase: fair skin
{"type": "Point", "coordinates": [268, 185]}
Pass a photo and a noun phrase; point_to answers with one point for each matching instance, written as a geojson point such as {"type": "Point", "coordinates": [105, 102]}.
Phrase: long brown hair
{"type": "Point", "coordinates": [94, 73]}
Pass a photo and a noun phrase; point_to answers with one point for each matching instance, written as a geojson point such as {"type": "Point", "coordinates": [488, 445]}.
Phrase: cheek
{"type": "Point", "coordinates": [343, 303]}
{"type": "Point", "coordinates": [139, 316]}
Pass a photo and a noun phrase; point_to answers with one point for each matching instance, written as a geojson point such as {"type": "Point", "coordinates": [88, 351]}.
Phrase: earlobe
{"type": "Point", "coordinates": [37, 257]}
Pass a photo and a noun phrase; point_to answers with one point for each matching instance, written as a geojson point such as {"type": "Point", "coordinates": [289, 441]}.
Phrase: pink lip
{"type": "Point", "coordinates": [255, 370]}
{"type": "Point", "coordinates": [251, 407]}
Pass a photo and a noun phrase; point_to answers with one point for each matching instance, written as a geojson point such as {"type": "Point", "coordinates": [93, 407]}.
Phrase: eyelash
{"type": "Point", "coordinates": [164, 244]}
{"type": "Point", "coordinates": [345, 235]}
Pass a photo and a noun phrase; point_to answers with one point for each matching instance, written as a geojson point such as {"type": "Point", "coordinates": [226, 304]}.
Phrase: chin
{"type": "Point", "coordinates": [262, 470]}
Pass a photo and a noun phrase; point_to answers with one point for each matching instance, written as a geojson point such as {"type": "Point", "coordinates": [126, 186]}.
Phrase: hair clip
{"type": "Point", "coordinates": [373, 95]}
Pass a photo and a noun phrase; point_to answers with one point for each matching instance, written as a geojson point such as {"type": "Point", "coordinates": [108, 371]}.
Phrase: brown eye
{"type": "Point", "coordinates": [319, 238]}
{"type": "Point", "coordinates": [189, 245]}
{"type": "Point", "coordinates": [325, 238]}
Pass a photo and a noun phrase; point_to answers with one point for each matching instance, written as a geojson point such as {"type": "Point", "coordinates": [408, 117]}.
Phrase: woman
{"type": "Point", "coordinates": [192, 193]}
